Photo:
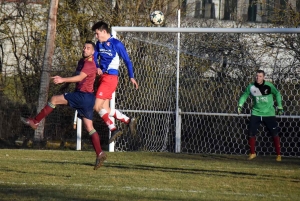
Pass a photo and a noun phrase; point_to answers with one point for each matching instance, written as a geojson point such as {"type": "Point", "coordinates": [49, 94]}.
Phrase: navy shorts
{"type": "Point", "coordinates": [270, 123]}
{"type": "Point", "coordinates": [82, 102]}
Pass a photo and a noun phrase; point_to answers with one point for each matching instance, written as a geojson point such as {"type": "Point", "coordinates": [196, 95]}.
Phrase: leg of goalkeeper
{"type": "Point", "coordinates": [95, 138]}
{"type": "Point", "coordinates": [253, 126]}
{"type": "Point", "coordinates": [272, 126]}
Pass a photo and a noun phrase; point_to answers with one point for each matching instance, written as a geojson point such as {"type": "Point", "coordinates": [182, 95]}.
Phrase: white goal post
{"type": "Point", "coordinates": [178, 112]}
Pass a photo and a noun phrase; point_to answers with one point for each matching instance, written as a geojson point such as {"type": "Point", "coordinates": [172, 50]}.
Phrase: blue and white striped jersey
{"type": "Point", "coordinates": [110, 52]}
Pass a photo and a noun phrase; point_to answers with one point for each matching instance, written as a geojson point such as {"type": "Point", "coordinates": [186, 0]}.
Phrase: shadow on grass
{"type": "Point", "coordinates": [68, 162]}
{"type": "Point", "coordinates": [26, 192]}
{"type": "Point", "coordinates": [177, 170]}
{"type": "Point", "coordinates": [257, 163]}
{"type": "Point", "coordinates": [225, 157]}
{"type": "Point", "coordinates": [9, 192]}
{"type": "Point", "coordinates": [251, 170]}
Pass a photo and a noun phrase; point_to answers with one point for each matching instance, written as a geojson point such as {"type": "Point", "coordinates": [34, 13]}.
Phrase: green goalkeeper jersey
{"type": "Point", "coordinates": [262, 96]}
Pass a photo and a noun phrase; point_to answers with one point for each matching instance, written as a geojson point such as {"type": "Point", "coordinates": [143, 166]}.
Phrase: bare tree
{"type": "Point", "coordinates": [45, 77]}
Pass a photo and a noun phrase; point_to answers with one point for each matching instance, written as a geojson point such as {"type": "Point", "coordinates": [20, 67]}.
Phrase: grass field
{"type": "Point", "coordinates": [69, 175]}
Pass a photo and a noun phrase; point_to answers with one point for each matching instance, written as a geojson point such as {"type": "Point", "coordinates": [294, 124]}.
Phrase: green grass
{"type": "Point", "coordinates": [69, 175]}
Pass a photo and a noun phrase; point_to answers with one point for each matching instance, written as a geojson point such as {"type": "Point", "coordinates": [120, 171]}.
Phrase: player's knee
{"type": "Point", "coordinates": [102, 112]}
{"type": "Point", "coordinates": [274, 133]}
{"type": "Point", "coordinates": [98, 105]}
{"type": "Point", "coordinates": [112, 112]}
{"type": "Point", "coordinates": [88, 126]}
{"type": "Point", "coordinates": [97, 108]}
{"type": "Point", "coordinates": [53, 100]}
{"type": "Point", "coordinates": [91, 131]}
{"type": "Point", "coordinates": [251, 134]}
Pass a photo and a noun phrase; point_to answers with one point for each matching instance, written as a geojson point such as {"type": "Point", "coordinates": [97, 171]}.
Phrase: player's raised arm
{"type": "Point", "coordinates": [121, 50]}
{"type": "Point", "coordinates": [77, 78]}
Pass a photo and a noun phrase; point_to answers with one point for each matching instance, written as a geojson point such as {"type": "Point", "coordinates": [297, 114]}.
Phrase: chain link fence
{"type": "Point", "coordinates": [212, 77]}
{"type": "Point", "coordinates": [215, 68]}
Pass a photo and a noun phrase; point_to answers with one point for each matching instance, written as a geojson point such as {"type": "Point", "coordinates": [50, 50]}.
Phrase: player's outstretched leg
{"type": "Point", "coordinates": [130, 121]}
{"type": "Point", "coordinates": [34, 123]}
{"type": "Point", "coordinates": [30, 122]}
{"type": "Point", "coordinates": [114, 135]}
{"type": "Point", "coordinates": [115, 132]}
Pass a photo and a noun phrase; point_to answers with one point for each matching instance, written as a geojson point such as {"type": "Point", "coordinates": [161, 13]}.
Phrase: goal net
{"type": "Point", "coordinates": [190, 80]}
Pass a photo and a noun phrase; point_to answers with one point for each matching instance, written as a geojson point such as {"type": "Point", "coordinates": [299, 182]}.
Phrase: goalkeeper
{"type": "Point", "coordinates": [263, 110]}
{"type": "Point", "coordinates": [83, 99]}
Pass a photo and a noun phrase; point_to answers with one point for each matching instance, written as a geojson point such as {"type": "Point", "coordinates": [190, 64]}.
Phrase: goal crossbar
{"type": "Point", "coordinates": [206, 30]}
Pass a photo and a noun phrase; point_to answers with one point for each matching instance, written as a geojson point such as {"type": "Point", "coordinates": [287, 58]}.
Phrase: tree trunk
{"type": "Point", "coordinates": [45, 75]}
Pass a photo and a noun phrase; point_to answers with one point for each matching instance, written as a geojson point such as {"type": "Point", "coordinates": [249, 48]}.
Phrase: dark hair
{"type": "Point", "coordinates": [90, 42]}
{"type": "Point", "coordinates": [101, 26]}
{"type": "Point", "coordinates": [261, 71]}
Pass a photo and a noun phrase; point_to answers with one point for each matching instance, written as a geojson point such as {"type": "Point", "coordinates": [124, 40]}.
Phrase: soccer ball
{"type": "Point", "coordinates": [157, 17]}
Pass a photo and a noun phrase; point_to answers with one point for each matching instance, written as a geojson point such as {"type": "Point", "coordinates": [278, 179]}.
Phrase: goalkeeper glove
{"type": "Point", "coordinates": [280, 111]}
{"type": "Point", "coordinates": [239, 109]}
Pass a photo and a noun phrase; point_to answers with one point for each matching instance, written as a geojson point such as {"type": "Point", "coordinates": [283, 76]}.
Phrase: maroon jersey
{"type": "Point", "coordinates": [87, 66]}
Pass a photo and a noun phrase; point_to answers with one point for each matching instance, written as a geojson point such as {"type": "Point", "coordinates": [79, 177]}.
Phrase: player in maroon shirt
{"type": "Point", "coordinates": [83, 99]}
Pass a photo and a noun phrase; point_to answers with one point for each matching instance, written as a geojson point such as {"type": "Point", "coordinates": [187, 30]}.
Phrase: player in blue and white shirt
{"type": "Point", "coordinates": [107, 57]}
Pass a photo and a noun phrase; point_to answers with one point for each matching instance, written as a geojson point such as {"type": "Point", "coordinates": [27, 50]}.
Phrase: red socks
{"type": "Point", "coordinates": [277, 144]}
{"type": "Point", "coordinates": [44, 112]}
{"type": "Point", "coordinates": [95, 141]}
{"type": "Point", "coordinates": [121, 117]}
{"type": "Point", "coordinates": [251, 142]}
{"type": "Point", "coordinates": [108, 122]}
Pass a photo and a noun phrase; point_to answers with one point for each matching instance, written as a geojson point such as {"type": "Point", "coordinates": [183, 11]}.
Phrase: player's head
{"type": "Point", "coordinates": [101, 30]}
{"type": "Point", "coordinates": [260, 76]}
{"type": "Point", "coordinates": [88, 49]}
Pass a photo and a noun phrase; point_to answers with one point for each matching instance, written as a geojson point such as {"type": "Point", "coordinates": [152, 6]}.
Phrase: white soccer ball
{"type": "Point", "coordinates": [157, 17]}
